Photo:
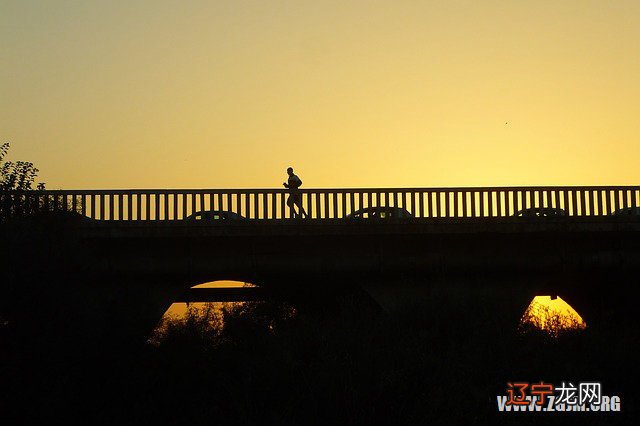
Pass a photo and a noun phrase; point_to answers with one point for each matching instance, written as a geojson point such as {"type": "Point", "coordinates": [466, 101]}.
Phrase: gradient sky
{"type": "Point", "coordinates": [215, 94]}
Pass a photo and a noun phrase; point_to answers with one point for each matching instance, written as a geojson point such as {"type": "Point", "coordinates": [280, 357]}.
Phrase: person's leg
{"type": "Point", "coordinates": [298, 203]}
{"type": "Point", "coordinates": [301, 208]}
{"type": "Point", "coordinates": [290, 203]}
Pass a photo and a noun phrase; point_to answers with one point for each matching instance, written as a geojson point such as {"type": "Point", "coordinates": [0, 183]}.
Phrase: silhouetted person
{"type": "Point", "coordinates": [295, 198]}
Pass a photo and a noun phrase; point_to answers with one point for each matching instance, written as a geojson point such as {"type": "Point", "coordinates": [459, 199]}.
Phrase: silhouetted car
{"type": "Point", "coordinates": [379, 213]}
{"type": "Point", "coordinates": [541, 212]}
{"type": "Point", "coordinates": [214, 215]}
{"type": "Point", "coordinates": [627, 211]}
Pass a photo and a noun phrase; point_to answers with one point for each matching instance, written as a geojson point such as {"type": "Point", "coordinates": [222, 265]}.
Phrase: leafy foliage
{"type": "Point", "coordinates": [540, 319]}
{"type": "Point", "coordinates": [18, 175]}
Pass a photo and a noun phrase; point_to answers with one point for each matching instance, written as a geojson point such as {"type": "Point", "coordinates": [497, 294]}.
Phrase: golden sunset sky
{"type": "Point", "coordinates": [227, 94]}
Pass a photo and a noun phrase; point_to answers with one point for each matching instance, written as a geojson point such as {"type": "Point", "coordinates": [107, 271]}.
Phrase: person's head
{"type": "Point", "coordinates": [290, 171]}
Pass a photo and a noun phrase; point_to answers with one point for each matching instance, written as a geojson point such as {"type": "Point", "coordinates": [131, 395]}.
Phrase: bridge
{"type": "Point", "coordinates": [457, 241]}
{"type": "Point", "coordinates": [270, 204]}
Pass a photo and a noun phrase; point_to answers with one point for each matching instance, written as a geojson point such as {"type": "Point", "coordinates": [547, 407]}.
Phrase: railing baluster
{"type": "Point", "coordinates": [583, 203]}
{"type": "Point", "coordinates": [256, 205]}
{"type": "Point", "coordinates": [352, 202]}
{"type": "Point", "coordinates": [608, 201]}
{"type": "Point", "coordinates": [325, 207]}
{"type": "Point", "coordinates": [247, 203]}
{"type": "Point", "coordinates": [454, 213]}
{"type": "Point", "coordinates": [194, 203]}
{"type": "Point", "coordinates": [274, 205]}
{"type": "Point", "coordinates": [147, 206]}
{"type": "Point", "coordinates": [156, 202]}
{"type": "Point", "coordinates": [465, 211]}
{"type": "Point", "coordinates": [112, 210]}
{"type": "Point", "coordinates": [507, 202]}
{"type": "Point", "coordinates": [473, 203]}
{"type": "Point", "coordinates": [318, 210]}
{"type": "Point", "coordinates": [412, 203]}
{"type": "Point", "coordinates": [447, 200]}
{"type": "Point", "coordinates": [101, 198]}
{"type": "Point", "coordinates": [120, 205]}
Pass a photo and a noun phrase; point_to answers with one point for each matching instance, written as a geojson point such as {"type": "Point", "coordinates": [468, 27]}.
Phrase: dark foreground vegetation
{"type": "Point", "coordinates": [341, 362]}
{"type": "Point", "coordinates": [70, 353]}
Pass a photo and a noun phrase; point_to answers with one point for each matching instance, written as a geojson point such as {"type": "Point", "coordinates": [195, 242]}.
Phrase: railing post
{"type": "Point", "coordinates": [285, 213]}
{"type": "Point", "coordinates": [274, 205]}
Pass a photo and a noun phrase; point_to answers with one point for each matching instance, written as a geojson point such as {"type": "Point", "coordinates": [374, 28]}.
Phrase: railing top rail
{"type": "Point", "coordinates": [324, 190]}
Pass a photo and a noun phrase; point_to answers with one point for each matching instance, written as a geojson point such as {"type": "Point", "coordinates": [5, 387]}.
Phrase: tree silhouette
{"type": "Point", "coordinates": [18, 175]}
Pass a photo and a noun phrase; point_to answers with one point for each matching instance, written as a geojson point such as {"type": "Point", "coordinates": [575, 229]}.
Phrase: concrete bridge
{"type": "Point", "coordinates": [510, 243]}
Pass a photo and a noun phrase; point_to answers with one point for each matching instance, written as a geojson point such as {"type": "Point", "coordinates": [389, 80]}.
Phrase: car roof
{"type": "Point", "coordinates": [540, 210]}
{"type": "Point", "coordinates": [226, 213]}
{"type": "Point", "coordinates": [380, 209]}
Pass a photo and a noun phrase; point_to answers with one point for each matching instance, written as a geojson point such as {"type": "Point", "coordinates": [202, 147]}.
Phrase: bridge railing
{"type": "Point", "coordinates": [271, 204]}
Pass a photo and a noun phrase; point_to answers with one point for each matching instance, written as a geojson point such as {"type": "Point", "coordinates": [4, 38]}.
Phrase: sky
{"type": "Point", "coordinates": [228, 94]}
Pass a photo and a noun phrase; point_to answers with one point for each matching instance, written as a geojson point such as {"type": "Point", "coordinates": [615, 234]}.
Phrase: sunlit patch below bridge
{"type": "Point", "coordinates": [181, 311]}
{"type": "Point", "coordinates": [552, 316]}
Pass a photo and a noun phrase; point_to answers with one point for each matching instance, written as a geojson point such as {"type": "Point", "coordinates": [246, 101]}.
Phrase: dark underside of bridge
{"type": "Point", "coordinates": [591, 262]}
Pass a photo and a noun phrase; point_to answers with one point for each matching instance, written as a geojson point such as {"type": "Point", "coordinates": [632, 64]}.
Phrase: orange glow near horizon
{"type": "Point", "coordinates": [180, 310]}
{"type": "Point", "coordinates": [193, 94]}
{"type": "Point", "coordinates": [552, 315]}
